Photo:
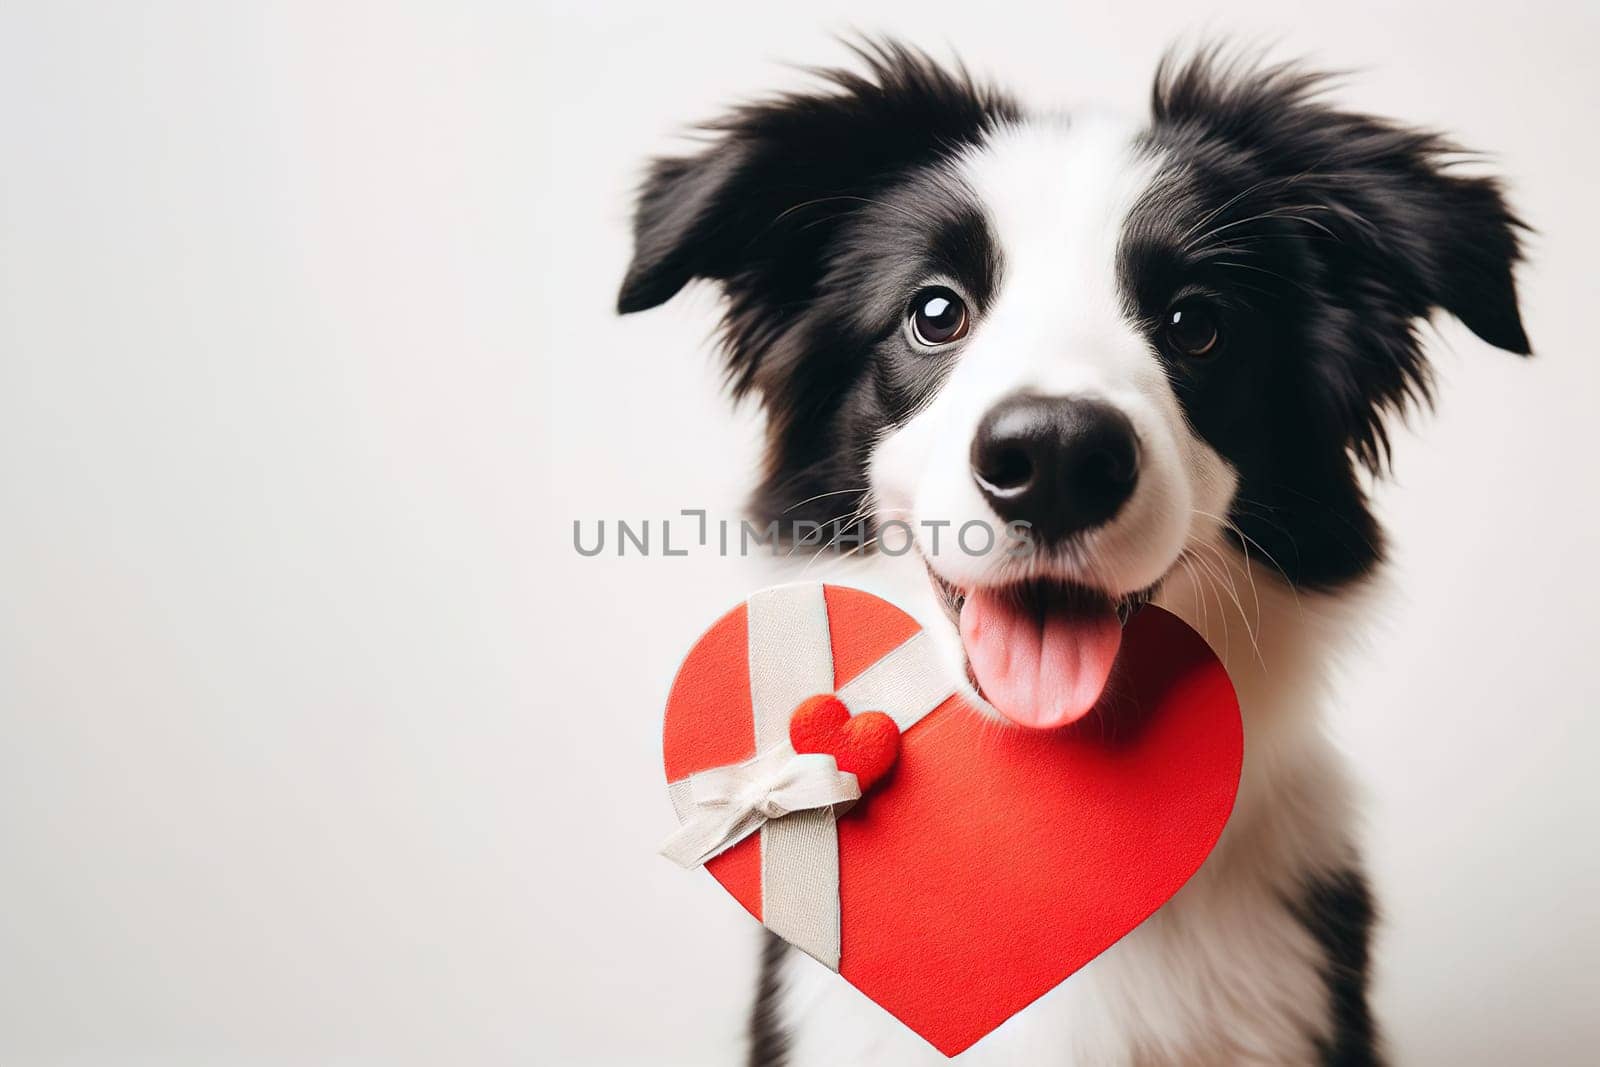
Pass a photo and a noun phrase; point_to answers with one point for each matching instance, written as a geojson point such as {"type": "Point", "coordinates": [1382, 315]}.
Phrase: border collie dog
{"type": "Point", "coordinates": [1169, 348]}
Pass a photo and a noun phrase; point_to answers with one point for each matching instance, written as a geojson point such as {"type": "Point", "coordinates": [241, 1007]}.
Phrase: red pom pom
{"type": "Point", "coordinates": [866, 745]}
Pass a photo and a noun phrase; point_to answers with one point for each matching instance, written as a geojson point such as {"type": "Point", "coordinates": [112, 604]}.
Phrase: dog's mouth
{"type": "Point", "coordinates": [1039, 651]}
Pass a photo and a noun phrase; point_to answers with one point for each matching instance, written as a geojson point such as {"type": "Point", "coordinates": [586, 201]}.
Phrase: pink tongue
{"type": "Point", "coordinates": [1039, 671]}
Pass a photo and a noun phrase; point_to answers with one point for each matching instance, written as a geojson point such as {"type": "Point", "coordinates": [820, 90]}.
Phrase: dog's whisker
{"type": "Point", "coordinates": [819, 496]}
{"type": "Point", "coordinates": [1226, 572]}
{"type": "Point", "coordinates": [1246, 542]}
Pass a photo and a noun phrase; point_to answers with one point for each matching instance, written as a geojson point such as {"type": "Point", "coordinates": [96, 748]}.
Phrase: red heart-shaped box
{"type": "Point", "coordinates": [992, 862]}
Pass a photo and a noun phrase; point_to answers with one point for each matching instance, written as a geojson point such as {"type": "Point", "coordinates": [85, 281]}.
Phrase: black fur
{"type": "Point", "coordinates": [814, 211]}
{"type": "Point", "coordinates": [1325, 237]}
{"type": "Point", "coordinates": [1338, 911]}
{"type": "Point", "coordinates": [769, 1044]}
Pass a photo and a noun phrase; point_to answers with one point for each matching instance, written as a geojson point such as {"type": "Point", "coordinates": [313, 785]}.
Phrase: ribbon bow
{"type": "Point", "coordinates": [794, 800]}
{"type": "Point", "coordinates": [731, 803]}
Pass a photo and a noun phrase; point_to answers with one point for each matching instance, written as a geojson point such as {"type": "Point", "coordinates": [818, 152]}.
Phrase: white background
{"type": "Point", "coordinates": [320, 743]}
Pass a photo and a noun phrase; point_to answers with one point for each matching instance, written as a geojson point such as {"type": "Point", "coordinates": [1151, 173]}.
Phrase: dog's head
{"type": "Point", "coordinates": [1120, 338]}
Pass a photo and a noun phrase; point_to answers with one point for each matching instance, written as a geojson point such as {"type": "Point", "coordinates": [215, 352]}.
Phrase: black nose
{"type": "Point", "coordinates": [1062, 465]}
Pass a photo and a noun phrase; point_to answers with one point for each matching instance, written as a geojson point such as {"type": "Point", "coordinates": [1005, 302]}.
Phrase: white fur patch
{"type": "Point", "coordinates": [1056, 196]}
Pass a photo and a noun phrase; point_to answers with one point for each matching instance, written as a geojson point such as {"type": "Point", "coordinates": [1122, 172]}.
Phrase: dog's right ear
{"type": "Point", "coordinates": [757, 208]}
{"type": "Point", "coordinates": [675, 227]}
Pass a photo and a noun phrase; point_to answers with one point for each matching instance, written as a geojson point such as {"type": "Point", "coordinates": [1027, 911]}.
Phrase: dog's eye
{"type": "Point", "coordinates": [938, 316]}
{"type": "Point", "coordinates": [1191, 330]}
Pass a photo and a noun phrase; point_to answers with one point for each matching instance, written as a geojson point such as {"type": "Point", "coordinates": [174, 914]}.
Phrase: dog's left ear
{"type": "Point", "coordinates": [1388, 229]}
{"type": "Point", "coordinates": [756, 210]}
{"type": "Point", "coordinates": [1403, 220]}
{"type": "Point", "coordinates": [1449, 240]}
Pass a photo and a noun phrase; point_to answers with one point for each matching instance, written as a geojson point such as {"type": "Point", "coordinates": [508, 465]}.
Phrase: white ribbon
{"type": "Point", "coordinates": [794, 800]}
{"type": "Point", "coordinates": [733, 802]}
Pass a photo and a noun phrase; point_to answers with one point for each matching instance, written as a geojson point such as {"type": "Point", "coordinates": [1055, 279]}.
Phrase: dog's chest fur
{"type": "Point", "coordinates": [1259, 959]}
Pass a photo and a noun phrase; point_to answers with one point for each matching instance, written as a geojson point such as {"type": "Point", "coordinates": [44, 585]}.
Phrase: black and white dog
{"type": "Point", "coordinates": [1170, 348]}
